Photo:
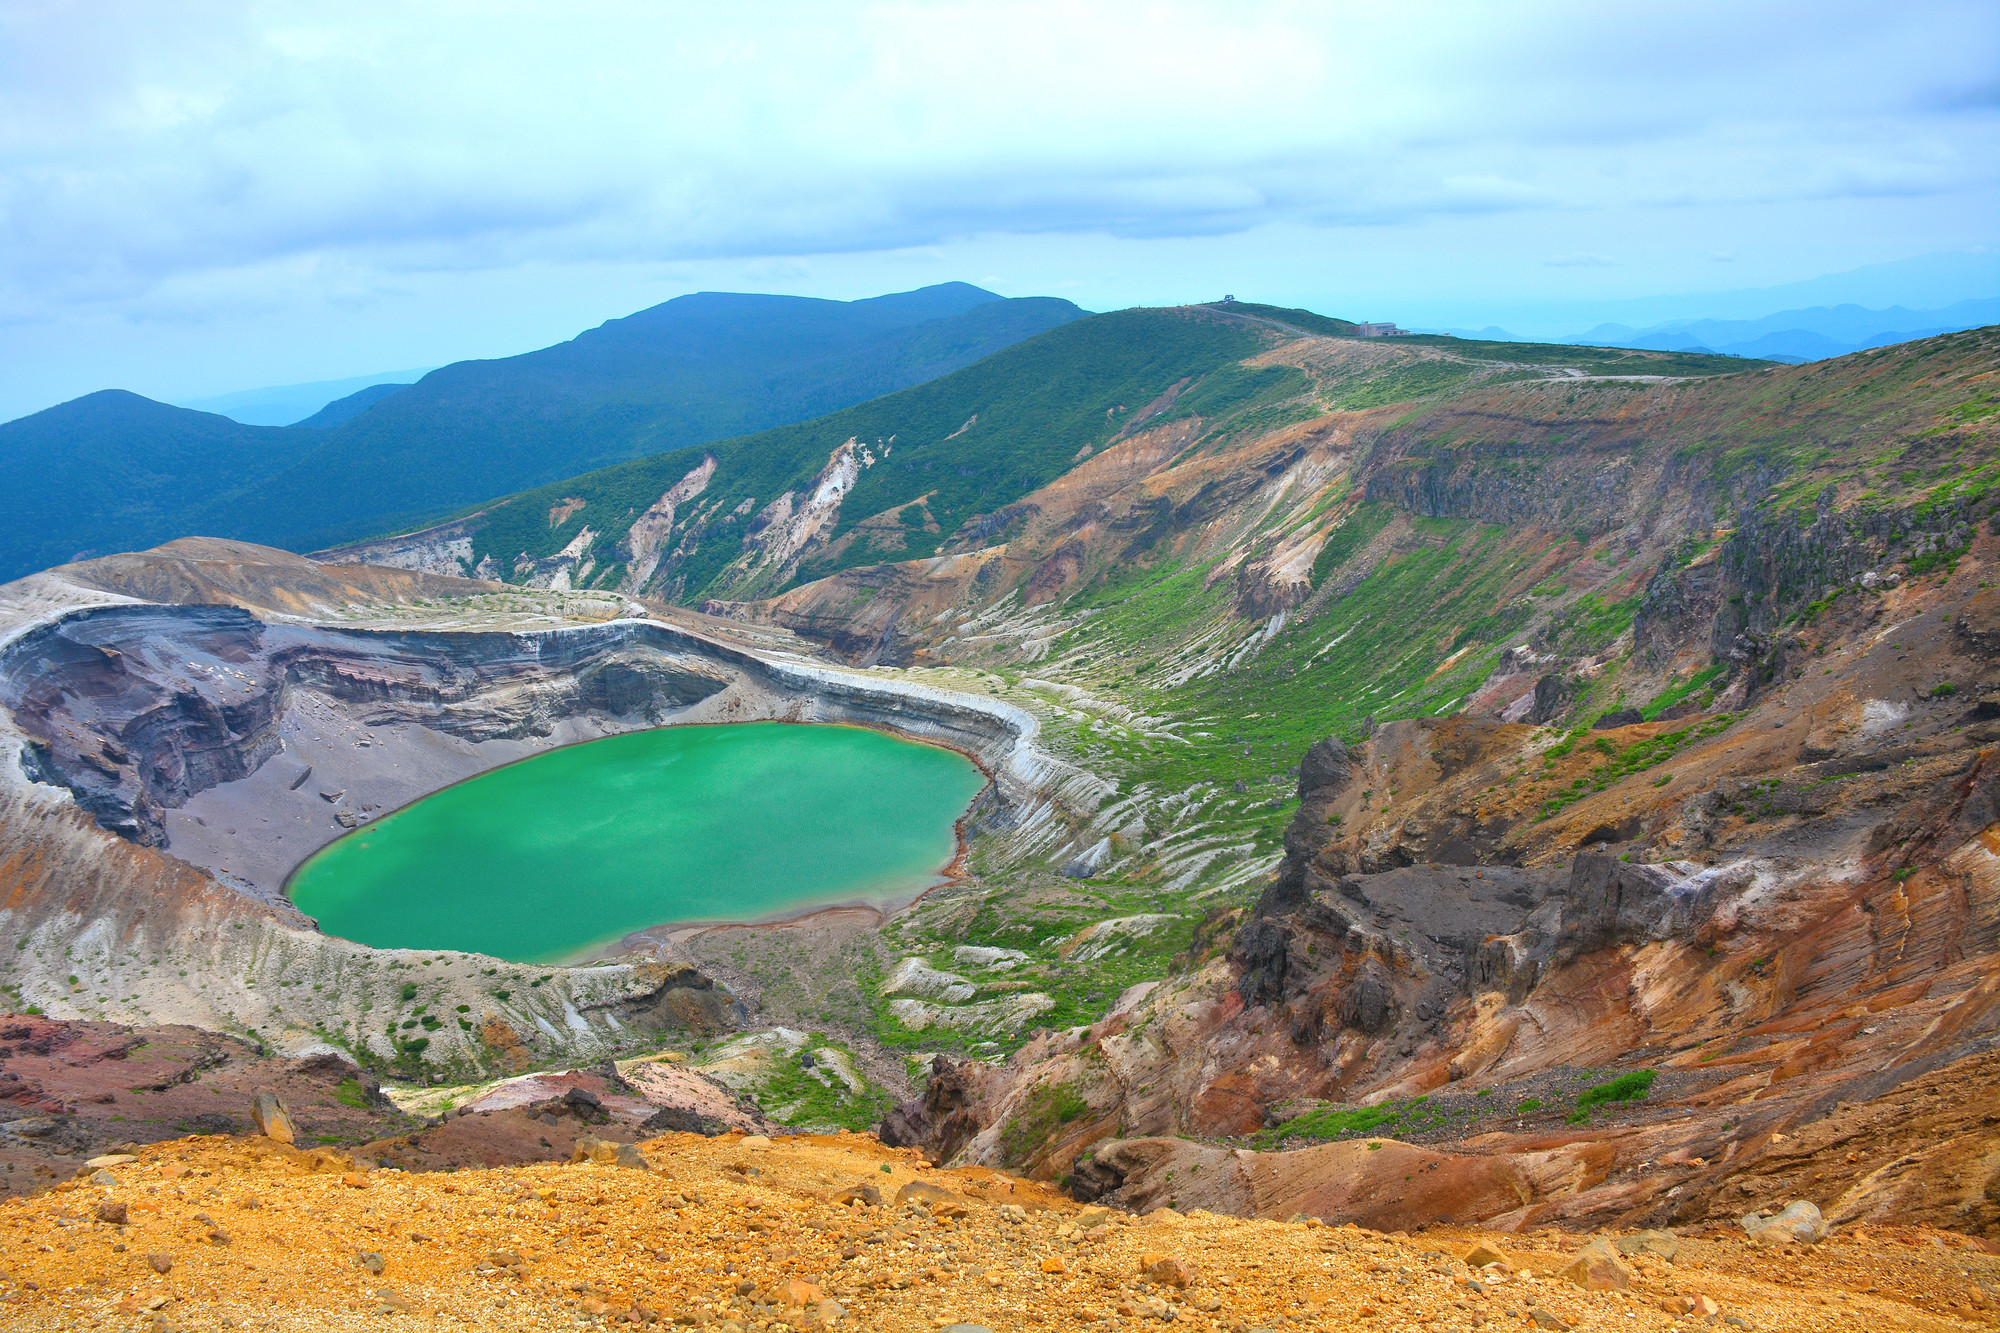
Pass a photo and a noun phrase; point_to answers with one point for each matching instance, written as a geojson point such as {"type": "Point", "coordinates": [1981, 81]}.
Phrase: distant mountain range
{"type": "Point", "coordinates": [1800, 335]}
{"type": "Point", "coordinates": [347, 408]}
{"type": "Point", "coordinates": [292, 404]}
{"type": "Point", "coordinates": [115, 471]}
{"type": "Point", "coordinates": [1795, 336]}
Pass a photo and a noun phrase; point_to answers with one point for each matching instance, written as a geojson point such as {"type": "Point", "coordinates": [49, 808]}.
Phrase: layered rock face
{"type": "Point", "coordinates": [138, 709]}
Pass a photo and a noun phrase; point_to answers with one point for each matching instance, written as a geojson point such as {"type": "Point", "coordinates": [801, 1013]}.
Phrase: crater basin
{"type": "Point", "coordinates": [549, 858]}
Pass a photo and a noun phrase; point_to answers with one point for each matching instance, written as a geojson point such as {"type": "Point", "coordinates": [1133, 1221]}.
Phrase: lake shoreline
{"type": "Point", "coordinates": [686, 821]}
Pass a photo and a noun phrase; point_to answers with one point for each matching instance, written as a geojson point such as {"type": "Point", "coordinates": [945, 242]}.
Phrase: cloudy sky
{"type": "Point", "coordinates": [208, 196]}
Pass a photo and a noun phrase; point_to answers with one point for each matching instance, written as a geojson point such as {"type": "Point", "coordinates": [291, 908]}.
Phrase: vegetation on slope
{"type": "Point", "coordinates": [1157, 678]}
{"type": "Point", "coordinates": [962, 446]}
{"type": "Point", "coordinates": [112, 471]}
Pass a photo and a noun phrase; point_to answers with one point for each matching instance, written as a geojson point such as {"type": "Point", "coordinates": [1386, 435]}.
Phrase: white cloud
{"type": "Point", "coordinates": [179, 162]}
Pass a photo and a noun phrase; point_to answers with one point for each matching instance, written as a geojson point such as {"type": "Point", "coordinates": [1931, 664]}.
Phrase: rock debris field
{"type": "Point", "coordinates": [741, 1233]}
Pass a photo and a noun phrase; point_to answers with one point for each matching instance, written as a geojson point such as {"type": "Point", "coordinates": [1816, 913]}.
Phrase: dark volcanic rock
{"type": "Point", "coordinates": [1609, 901]}
{"type": "Point", "coordinates": [944, 1119]}
{"type": "Point", "coordinates": [1327, 768]}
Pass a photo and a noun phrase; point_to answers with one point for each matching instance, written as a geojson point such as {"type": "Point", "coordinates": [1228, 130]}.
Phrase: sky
{"type": "Point", "coordinates": [211, 196]}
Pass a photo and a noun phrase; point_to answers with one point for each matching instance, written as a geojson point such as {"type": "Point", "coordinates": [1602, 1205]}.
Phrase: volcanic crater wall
{"type": "Point", "coordinates": [168, 765]}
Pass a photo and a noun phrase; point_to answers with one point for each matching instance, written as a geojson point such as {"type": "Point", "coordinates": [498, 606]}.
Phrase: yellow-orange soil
{"type": "Point", "coordinates": [255, 1235]}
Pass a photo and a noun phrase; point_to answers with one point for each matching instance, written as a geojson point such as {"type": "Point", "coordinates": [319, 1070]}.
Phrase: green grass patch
{"type": "Point", "coordinates": [1631, 1087]}
{"type": "Point", "coordinates": [1417, 1115]}
{"type": "Point", "coordinates": [1680, 690]}
{"type": "Point", "coordinates": [804, 1098]}
{"type": "Point", "coordinates": [1634, 758]}
{"type": "Point", "coordinates": [1048, 1109]}
{"type": "Point", "coordinates": [1355, 531]}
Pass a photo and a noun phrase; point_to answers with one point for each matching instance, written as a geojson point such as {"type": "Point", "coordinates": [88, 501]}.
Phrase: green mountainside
{"type": "Point", "coordinates": [115, 471]}
{"type": "Point", "coordinates": [1192, 542]}
{"type": "Point", "coordinates": [694, 369]}
{"type": "Point", "coordinates": [953, 450]}
{"type": "Point", "coordinates": [1485, 539]}
{"type": "Point", "coordinates": [939, 465]}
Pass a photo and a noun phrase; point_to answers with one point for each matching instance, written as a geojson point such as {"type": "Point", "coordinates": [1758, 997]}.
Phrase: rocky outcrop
{"type": "Point", "coordinates": [443, 549]}
{"type": "Point", "coordinates": [1733, 600]}
{"type": "Point", "coordinates": [944, 1118]}
{"type": "Point", "coordinates": [794, 525]}
{"type": "Point", "coordinates": [67, 1090]}
{"type": "Point", "coordinates": [644, 544]}
{"type": "Point", "coordinates": [1610, 902]}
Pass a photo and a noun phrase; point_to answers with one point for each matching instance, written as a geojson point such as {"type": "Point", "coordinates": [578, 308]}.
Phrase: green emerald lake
{"type": "Point", "coordinates": [544, 859]}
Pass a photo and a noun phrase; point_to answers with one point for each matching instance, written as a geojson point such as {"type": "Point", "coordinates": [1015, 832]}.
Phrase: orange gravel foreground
{"type": "Point", "coordinates": [210, 1233]}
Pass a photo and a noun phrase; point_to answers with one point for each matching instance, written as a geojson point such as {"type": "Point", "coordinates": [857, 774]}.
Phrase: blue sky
{"type": "Point", "coordinates": [209, 196]}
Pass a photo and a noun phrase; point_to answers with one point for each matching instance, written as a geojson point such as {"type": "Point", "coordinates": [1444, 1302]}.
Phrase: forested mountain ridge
{"type": "Point", "coordinates": [105, 473]}
{"type": "Point", "coordinates": [937, 467]}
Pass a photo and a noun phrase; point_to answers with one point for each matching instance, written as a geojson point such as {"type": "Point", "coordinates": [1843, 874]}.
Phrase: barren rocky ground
{"type": "Point", "coordinates": [736, 1233]}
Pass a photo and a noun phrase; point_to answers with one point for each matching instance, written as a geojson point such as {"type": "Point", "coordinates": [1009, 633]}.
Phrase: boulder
{"type": "Point", "coordinates": [1483, 1255]}
{"type": "Point", "coordinates": [608, 1152]}
{"type": "Point", "coordinates": [1799, 1221]}
{"type": "Point", "coordinates": [273, 1120]}
{"type": "Point", "coordinates": [798, 1293]}
{"type": "Point", "coordinates": [1597, 1267]}
{"type": "Point", "coordinates": [935, 1197]}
